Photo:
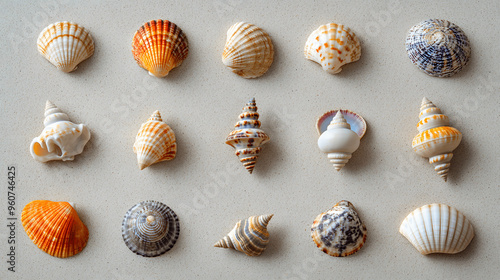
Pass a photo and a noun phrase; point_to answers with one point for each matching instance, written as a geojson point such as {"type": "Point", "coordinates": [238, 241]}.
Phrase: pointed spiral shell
{"type": "Point", "coordinates": [437, 139]}
{"type": "Point", "coordinates": [247, 137]}
{"type": "Point", "coordinates": [150, 228]}
{"type": "Point", "coordinates": [249, 236]}
{"type": "Point", "coordinates": [55, 227]}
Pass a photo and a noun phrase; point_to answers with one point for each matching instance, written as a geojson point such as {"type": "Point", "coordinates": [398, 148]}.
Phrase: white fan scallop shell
{"type": "Point", "coordinates": [65, 44]}
{"type": "Point", "coordinates": [437, 228]}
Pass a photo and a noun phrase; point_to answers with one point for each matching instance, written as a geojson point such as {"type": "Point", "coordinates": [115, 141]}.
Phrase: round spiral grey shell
{"type": "Point", "coordinates": [438, 47]}
{"type": "Point", "coordinates": [150, 228]}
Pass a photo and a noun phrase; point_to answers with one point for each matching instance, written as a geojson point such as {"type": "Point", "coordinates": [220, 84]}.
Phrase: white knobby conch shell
{"type": "Point", "coordinates": [65, 44]}
{"type": "Point", "coordinates": [247, 137]}
{"type": "Point", "coordinates": [60, 139]}
{"type": "Point", "coordinates": [339, 141]}
{"type": "Point", "coordinates": [249, 51]}
{"type": "Point", "coordinates": [155, 142]}
{"type": "Point", "coordinates": [437, 228]}
{"type": "Point", "coordinates": [437, 139]}
{"type": "Point", "coordinates": [249, 236]}
{"type": "Point", "coordinates": [332, 46]}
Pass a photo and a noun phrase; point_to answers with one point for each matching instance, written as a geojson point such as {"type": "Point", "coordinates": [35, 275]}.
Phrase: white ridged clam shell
{"type": "Point", "coordinates": [60, 139]}
{"type": "Point", "coordinates": [437, 139]}
{"type": "Point", "coordinates": [437, 228]}
{"type": "Point", "coordinates": [65, 44]}
{"type": "Point", "coordinates": [249, 51]}
{"type": "Point", "coordinates": [332, 46]}
{"type": "Point", "coordinates": [339, 141]}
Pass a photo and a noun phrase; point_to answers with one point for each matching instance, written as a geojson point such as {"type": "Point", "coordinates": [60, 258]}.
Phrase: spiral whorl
{"type": "Point", "coordinates": [150, 228]}
{"type": "Point", "coordinates": [437, 139]}
{"type": "Point", "coordinates": [53, 114]}
{"type": "Point", "coordinates": [155, 116]}
{"type": "Point", "coordinates": [249, 236]}
{"type": "Point", "coordinates": [247, 137]}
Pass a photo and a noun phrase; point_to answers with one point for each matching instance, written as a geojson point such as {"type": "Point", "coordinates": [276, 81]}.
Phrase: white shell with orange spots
{"type": "Point", "coordinates": [332, 45]}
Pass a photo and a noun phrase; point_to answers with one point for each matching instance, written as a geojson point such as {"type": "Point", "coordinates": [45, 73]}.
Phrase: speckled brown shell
{"type": "Point", "coordinates": [339, 232]}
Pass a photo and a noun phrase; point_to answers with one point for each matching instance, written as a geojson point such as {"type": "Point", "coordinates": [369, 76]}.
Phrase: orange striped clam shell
{"type": "Point", "coordinates": [55, 227]}
{"type": "Point", "coordinates": [159, 46]}
{"type": "Point", "coordinates": [155, 142]}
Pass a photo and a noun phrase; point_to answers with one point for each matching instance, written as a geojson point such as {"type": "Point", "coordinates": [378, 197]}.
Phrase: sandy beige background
{"type": "Point", "coordinates": [206, 185]}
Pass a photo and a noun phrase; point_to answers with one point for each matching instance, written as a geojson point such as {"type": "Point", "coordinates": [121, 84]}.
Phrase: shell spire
{"type": "Point", "coordinates": [249, 236]}
{"type": "Point", "coordinates": [436, 139]}
{"type": "Point", "coordinates": [339, 141]}
{"type": "Point", "coordinates": [155, 142]}
{"type": "Point", "coordinates": [247, 137]}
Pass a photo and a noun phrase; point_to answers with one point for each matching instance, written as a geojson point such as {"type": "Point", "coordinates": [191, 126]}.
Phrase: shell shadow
{"type": "Point", "coordinates": [361, 159]}
{"type": "Point", "coordinates": [459, 165]}
{"type": "Point", "coordinates": [466, 256]}
{"type": "Point", "coordinates": [181, 158]}
{"type": "Point", "coordinates": [265, 164]}
{"type": "Point", "coordinates": [275, 245]}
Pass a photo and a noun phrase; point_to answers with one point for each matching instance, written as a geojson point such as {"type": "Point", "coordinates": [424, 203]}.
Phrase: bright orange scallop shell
{"type": "Point", "coordinates": [55, 227]}
{"type": "Point", "coordinates": [159, 46]}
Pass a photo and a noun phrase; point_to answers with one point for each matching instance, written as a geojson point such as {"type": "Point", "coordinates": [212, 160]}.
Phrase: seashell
{"type": "Point", "coordinates": [249, 51]}
{"type": "Point", "coordinates": [65, 44]}
{"type": "Point", "coordinates": [159, 46]}
{"type": "Point", "coordinates": [249, 236]}
{"type": "Point", "coordinates": [339, 232]}
{"type": "Point", "coordinates": [437, 228]}
{"type": "Point", "coordinates": [150, 228]}
{"type": "Point", "coordinates": [60, 139]}
{"type": "Point", "coordinates": [55, 227]}
{"type": "Point", "coordinates": [438, 47]}
{"type": "Point", "coordinates": [247, 137]}
{"type": "Point", "coordinates": [339, 141]}
{"type": "Point", "coordinates": [332, 46]}
{"type": "Point", "coordinates": [356, 122]}
{"type": "Point", "coordinates": [436, 139]}
{"type": "Point", "coordinates": [155, 142]}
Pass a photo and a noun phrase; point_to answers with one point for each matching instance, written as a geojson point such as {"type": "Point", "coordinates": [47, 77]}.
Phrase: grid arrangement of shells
{"type": "Point", "coordinates": [150, 228]}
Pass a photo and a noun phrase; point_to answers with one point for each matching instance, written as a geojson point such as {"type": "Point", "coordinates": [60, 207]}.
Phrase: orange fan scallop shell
{"type": "Point", "coordinates": [55, 227]}
{"type": "Point", "coordinates": [159, 46]}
